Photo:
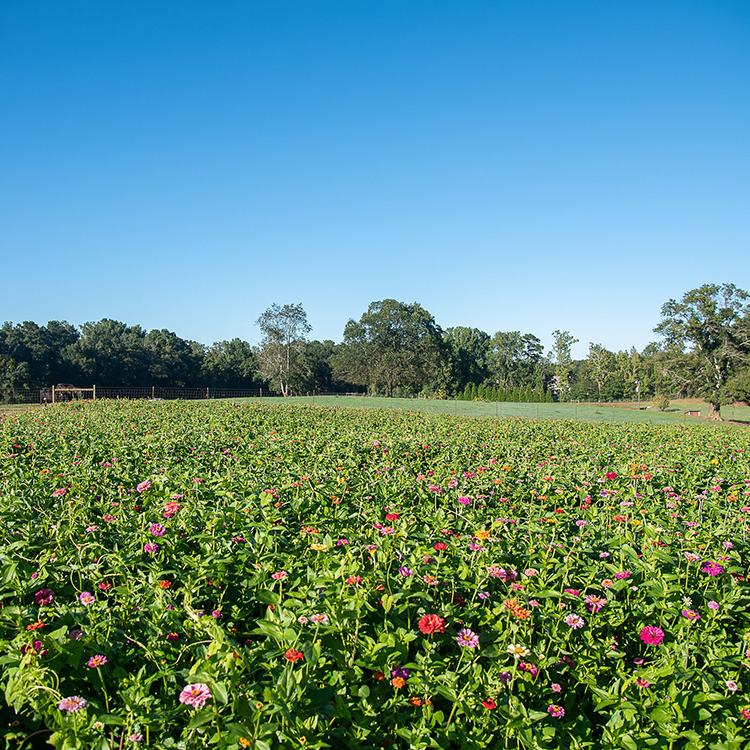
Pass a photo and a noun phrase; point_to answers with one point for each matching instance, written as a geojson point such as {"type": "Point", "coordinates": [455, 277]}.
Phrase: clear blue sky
{"type": "Point", "coordinates": [528, 165]}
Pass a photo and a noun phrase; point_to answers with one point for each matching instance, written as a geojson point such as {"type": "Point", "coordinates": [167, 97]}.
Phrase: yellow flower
{"type": "Point", "coordinates": [319, 547]}
{"type": "Point", "coordinates": [482, 534]}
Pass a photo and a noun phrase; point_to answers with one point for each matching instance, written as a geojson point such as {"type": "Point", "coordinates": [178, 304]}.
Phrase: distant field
{"type": "Point", "coordinates": [584, 412]}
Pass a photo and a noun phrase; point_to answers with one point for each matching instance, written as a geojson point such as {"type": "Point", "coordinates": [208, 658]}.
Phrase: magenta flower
{"type": "Point", "coordinates": [467, 638]}
{"type": "Point", "coordinates": [652, 635]}
{"type": "Point", "coordinates": [157, 529]}
{"type": "Point", "coordinates": [555, 711]}
{"type": "Point", "coordinates": [713, 605]}
{"type": "Point", "coordinates": [86, 598]}
{"type": "Point", "coordinates": [691, 614]}
{"type": "Point", "coordinates": [195, 695]}
{"type": "Point", "coordinates": [99, 660]}
{"type": "Point", "coordinates": [712, 568]}
{"type": "Point", "coordinates": [151, 548]}
{"type": "Point", "coordinates": [72, 703]}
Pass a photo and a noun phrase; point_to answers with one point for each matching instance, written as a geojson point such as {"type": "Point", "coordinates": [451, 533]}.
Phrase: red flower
{"type": "Point", "coordinates": [293, 656]}
{"type": "Point", "coordinates": [392, 517]}
{"type": "Point", "coordinates": [439, 546]}
{"type": "Point", "coordinates": [611, 475]}
{"type": "Point", "coordinates": [489, 704]}
{"type": "Point", "coordinates": [431, 624]}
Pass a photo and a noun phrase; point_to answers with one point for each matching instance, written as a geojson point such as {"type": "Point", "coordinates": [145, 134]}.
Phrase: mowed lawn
{"type": "Point", "coordinates": [585, 412]}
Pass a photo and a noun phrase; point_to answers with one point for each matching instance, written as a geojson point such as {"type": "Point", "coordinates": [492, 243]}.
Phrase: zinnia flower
{"type": "Point", "coordinates": [652, 635]}
{"type": "Point", "coordinates": [97, 661]}
{"type": "Point", "coordinates": [143, 486]}
{"type": "Point", "coordinates": [293, 655]}
{"type": "Point", "coordinates": [431, 624]}
{"type": "Point", "coordinates": [467, 638]}
{"type": "Point", "coordinates": [517, 651]}
{"type": "Point", "coordinates": [44, 597]}
{"type": "Point", "coordinates": [86, 598]}
{"type": "Point", "coordinates": [574, 621]}
{"type": "Point", "coordinates": [556, 711]}
{"type": "Point", "coordinates": [195, 695]}
{"type": "Point", "coordinates": [72, 703]}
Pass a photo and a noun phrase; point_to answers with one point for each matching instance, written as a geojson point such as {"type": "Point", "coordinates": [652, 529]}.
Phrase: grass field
{"type": "Point", "coordinates": [584, 412]}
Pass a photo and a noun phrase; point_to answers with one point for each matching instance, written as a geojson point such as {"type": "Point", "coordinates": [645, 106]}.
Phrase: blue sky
{"type": "Point", "coordinates": [529, 165]}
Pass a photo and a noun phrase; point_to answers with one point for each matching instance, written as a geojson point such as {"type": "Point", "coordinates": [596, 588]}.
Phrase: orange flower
{"type": "Point", "coordinates": [415, 701]}
{"type": "Point", "coordinates": [398, 682]}
{"type": "Point", "coordinates": [293, 655]}
{"type": "Point", "coordinates": [164, 584]}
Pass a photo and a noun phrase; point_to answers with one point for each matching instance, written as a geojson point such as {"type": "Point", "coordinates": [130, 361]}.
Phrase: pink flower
{"type": "Point", "coordinates": [464, 500]}
{"type": "Point", "coordinates": [86, 598]}
{"type": "Point", "coordinates": [621, 575]}
{"type": "Point", "coordinates": [467, 638]}
{"type": "Point", "coordinates": [691, 614]}
{"type": "Point", "coordinates": [157, 529]}
{"type": "Point", "coordinates": [713, 605]}
{"type": "Point", "coordinates": [732, 686]}
{"type": "Point", "coordinates": [195, 695]}
{"type": "Point", "coordinates": [555, 687]}
{"type": "Point", "coordinates": [99, 660]}
{"type": "Point", "coordinates": [574, 621]}
{"type": "Point", "coordinates": [652, 635]}
{"type": "Point", "coordinates": [72, 704]}
{"type": "Point", "coordinates": [143, 486]}
{"type": "Point", "coordinates": [151, 548]}
{"type": "Point", "coordinates": [60, 492]}
{"type": "Point", "coordinates": [279, 575]}
{"type": "Point", "coordinates": [594, 603]}
{"type": "Point", "coordinates": [555, 711]}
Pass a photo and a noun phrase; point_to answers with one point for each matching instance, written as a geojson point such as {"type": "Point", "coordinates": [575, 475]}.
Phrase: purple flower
{"type": "Point", "coordinates": [157, 529]}
{"type": "Point", "coordinates": [400, 672]}
{"type": "Point", "coordinates": [44, 597]}
{"type": "Point", "coordinates": [405, 572]}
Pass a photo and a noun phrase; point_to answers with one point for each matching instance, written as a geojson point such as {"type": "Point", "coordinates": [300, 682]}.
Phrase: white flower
{"type": "Point", "coordinates": [517, 651]}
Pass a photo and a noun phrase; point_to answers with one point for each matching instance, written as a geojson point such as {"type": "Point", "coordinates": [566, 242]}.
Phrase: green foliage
{"type": "Point", "coordinates": [504, 527]}
{"type": "Point", "coordinates": [660, 402]}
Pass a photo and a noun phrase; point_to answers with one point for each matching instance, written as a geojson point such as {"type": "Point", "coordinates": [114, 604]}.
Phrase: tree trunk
{"type": "Point", "coordinates": [715, 412]}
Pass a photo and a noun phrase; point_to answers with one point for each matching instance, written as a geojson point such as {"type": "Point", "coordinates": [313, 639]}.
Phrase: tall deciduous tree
{"type": "Point", "coordinates": [707, 330]}
{"type": "Point", "coordinates": [601, 366]}
{"type": "Point", "coordinates": [562, 345]}
{"type": "Point", "coordinates": [468, 349]}
{"type": "Point", "coordinates": [282, 350]}
{"type": "Point", "coordinates": [514, 359]}
{"type": "Point", "coordinates": [393, 347]}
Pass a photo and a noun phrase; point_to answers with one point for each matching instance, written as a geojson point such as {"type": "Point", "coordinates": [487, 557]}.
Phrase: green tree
{"type": "Point", "coordinates": [562, 345]}
{"type": "Point", "coordinates": [393, 347]}
{"type": "Point", "coordinates": [514, 358]}
{"type": "Point", "coordinates": [706, 332]}
{"type": "Point", "coordinates": [111, 353]}
{"type": "Point", "coordinates": [171, 359]}
{"type": "Point", "coordinates": [281, 354]}
{"type": "Point", "coordinates": [468, 350]}
{"type": "Point", "coordinates": [601, 366]}
{"type": "Point", "coordinates": [230, 364]}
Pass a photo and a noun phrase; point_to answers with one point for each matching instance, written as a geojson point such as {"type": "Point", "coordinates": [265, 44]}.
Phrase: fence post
{"type": "Point", "coordinates": [261, 393]}
{"type": "Point", "coordinates": [153, 392]}
{"type": "Point", "coordinates": [206, 391]}
{"type": "Point", "coordinates": [94, 391]}
{"type": "Point", "coordinates": [53, 394]}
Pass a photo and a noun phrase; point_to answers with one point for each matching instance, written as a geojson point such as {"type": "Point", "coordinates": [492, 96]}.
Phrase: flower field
{"type": "Point", "coordinates": [270, 576]}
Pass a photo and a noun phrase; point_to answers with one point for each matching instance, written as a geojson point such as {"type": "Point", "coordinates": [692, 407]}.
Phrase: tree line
{"type": "Point", "coordinates": [398, 349]}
